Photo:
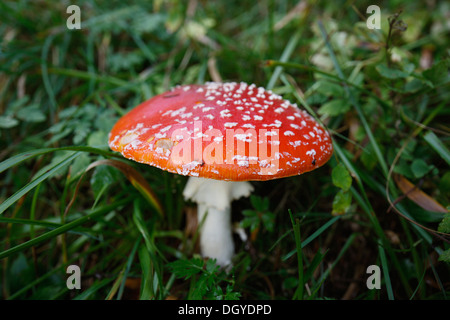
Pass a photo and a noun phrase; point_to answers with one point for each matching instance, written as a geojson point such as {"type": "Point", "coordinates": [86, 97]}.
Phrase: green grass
{"type": "Point", "coordinates": [65, 198]}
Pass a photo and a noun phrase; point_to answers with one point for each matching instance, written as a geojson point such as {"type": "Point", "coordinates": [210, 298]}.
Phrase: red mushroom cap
{"type": "Point", "coordinates": [225, 131]}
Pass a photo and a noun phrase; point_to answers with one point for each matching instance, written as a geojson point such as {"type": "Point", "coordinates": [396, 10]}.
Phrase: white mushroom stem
{"type": "Point", "coordinates": [214, 199]}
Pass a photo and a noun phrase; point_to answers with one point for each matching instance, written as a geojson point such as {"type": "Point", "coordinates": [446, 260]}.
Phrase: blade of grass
{"type": "Point", "coordinates": [355, 104]}
{"type": "Point", "coordinates": [313, 265]}
{"type": "Point", "coordinates": [420, 286]}
{"type": "Point", "coordinates": [284, 57]}
{"type": "Point", "coordinates": [127, 269]}
{"type": "Point", "coordinates": [147, 272]}
{"type": "Point", "coordinates": [116, 285]}
{"type": "Point", "coordinates": [313, 236]}
{"type": "Point", "coordinates": [298, 245]}
{"type": "Point", "coordinates": [19, 158]}
{"type": "Point", "coordinates": [438, 146]}
{"type": "Point", "coordinates": [123, 84]}
{"type": "Point", "coordinates": [30, 222]}
{"type": "Point", "coordinates": [320, 230]}
{"type": "Point", "coordinates": [121, 112]}
{"type": "Point", "coordinates": [300, 99]}
{"type": "Point", "coordinates": [33, 209]}
{"type": "Point", "coordinates": [151, 57]}
{"type": "Point", "coordinates": [385, 267]}
{"type": "Point", "coordinates": [93, 289]}
{"type": "Point", "coordinates": [436, 277]}
{"type": "Point", "coordinates": [25, 189]}
{"type": "Point", "coordinates": [91, 214]}
{"type": "Point", "coordinates": [335, 262]}
{"type": "Point", "coordinates": [46, 80]}
{"type": "Point", "coordinates": [151, 251]}
{"type": "Point", "coordinates": [86, 232]}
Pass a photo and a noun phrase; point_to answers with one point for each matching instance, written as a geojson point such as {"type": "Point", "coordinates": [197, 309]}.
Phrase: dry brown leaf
{"type": "Point", "coordinates": [418, 196]}
{"type": "Point", "coordinates": [133, 283]}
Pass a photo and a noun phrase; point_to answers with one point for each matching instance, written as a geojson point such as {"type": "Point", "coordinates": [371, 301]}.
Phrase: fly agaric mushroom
{"type": "Point", "coordinates": [222, 135]}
